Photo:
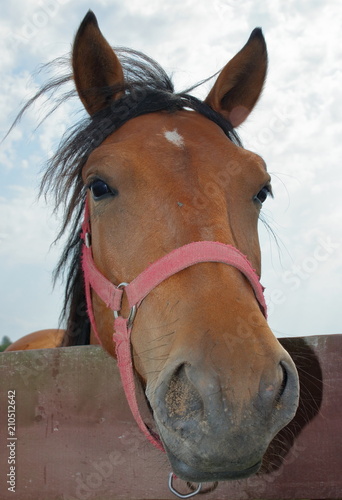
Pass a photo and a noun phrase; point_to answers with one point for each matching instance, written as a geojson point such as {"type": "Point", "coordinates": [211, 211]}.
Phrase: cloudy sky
{"type": "Point", "coordinates": [296, 127]}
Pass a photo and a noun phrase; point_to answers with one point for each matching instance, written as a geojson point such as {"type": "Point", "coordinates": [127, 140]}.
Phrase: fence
{"type": "Point", "coordinates": [67, 432]}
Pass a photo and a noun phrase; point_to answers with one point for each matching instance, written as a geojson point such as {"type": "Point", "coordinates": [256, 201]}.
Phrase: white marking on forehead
{"type": "Point", "coordinates": [174, 137]}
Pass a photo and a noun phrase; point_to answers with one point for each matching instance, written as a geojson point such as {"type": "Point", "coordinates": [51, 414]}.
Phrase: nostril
{"type": "Point", "coordinates": [182, 398]}
{"type": "Point", "coordinates": [283, 383]}
{"type": "Point", "coordinates": [285, 403]}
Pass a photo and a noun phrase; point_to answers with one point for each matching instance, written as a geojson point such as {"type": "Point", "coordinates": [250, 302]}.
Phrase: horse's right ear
{"type": "Point", "coordinates": [97, 71]}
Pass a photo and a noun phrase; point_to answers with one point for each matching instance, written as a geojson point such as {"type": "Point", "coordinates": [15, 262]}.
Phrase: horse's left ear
{"type": "Point", "coordinates": [240, 83]}
{"type": "Point", "coordinates": [97, 71]}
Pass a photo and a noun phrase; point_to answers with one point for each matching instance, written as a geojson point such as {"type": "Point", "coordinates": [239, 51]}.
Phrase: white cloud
{"type": "Point", "coordinates": [25, 224]}
{"type": "Point", "coordinates": [27, 261]}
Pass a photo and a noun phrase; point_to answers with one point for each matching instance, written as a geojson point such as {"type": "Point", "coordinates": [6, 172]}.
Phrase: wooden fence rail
{"type": "Point", "coordinates": [74, 437]}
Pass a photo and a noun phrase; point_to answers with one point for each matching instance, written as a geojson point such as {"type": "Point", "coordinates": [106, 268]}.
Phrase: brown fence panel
{"type": "Point", "coordinates": [74, 438]}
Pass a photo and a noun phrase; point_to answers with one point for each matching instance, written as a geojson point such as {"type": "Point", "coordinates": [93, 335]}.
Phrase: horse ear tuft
{"type": "Point", "coordinates": [97, 71]}
{"type": "Point", "coordinates": [240, 83]}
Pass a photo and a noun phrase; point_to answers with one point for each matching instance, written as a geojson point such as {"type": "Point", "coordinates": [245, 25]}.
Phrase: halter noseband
{"type": "Point", "coordinates": [140, 287]}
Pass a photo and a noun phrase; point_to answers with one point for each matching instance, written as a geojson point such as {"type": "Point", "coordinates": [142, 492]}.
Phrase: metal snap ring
{"type": "Point", "coordinates": [132, 312]}
{"type": "Point", "coordinates": [181, 495]}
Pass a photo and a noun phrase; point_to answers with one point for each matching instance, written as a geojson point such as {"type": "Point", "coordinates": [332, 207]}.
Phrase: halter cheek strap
{"type": "Point", "coordinates": [140, 287]}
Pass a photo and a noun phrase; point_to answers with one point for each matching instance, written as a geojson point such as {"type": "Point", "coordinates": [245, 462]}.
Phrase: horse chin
{"type": "Point", "coordinates": [206, 466]}
{"type": "Point", "coordinates": [198, 475]}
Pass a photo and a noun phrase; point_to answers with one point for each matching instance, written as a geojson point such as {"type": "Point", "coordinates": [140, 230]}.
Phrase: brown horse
{"type": "Point", "coordinates": [160, 170]}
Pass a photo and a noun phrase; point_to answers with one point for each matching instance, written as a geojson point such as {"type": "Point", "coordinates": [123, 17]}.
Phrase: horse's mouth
{"type": "Point", "coordinates": [202, 471]}
{"type": "Point", "coordinates": [198, 475]}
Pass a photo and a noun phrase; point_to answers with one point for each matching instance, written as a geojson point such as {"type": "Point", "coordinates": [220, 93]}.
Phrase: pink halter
{"type": "Point", "coordinates": [140, 287]}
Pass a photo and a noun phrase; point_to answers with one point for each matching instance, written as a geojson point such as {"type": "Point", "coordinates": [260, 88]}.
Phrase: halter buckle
{"type": "Point", "coordinates": [132, 312]}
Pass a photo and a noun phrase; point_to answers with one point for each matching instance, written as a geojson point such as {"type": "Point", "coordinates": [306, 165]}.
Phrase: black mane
{"type": "Point", "coordinates": [147, 89]}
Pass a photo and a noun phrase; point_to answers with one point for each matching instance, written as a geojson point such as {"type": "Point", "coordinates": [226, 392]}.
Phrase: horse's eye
{"type": "Point", "coordinates": [100, 189]}
{"type": "Point", "coordinates": [263, 194]}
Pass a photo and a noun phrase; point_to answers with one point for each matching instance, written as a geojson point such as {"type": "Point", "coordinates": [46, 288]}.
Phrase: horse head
{"type": "Point", "coordinates": [219, 384]}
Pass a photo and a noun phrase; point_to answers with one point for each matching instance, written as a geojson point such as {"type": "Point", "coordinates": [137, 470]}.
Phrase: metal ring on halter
{"type": "Point", "coordinates": [87, 240]}
{"type": "Point", "coordinates": [132, 312]}
{"type": "Point", "coordinates": [180, 495]}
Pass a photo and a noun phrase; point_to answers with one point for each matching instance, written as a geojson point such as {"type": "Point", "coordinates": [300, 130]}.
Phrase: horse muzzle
{"type": "Point", "coordinates": [207, 432]}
